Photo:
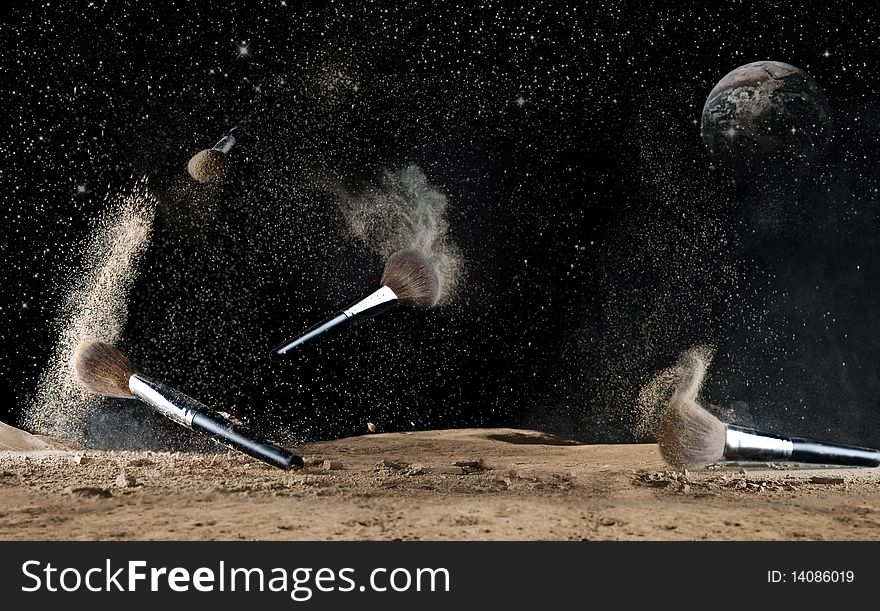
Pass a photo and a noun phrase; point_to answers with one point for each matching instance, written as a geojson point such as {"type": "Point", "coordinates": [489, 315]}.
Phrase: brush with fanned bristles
{"type": "Point", "coordinates": [690, 436]}
{"type": "Point", "coordinates": [101, 369]}
{"type": "Point", "coordinates": [412, 277]}
{"type": "Point", "coordinates": [409, 279]}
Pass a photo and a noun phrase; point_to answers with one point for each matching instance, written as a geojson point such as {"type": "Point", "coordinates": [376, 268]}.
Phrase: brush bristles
{"type": "Point", "coordinates": [102, 369]}
{"type": "Point", "coordinates": [207, 165]}
{"type": "Point", "coordinates": [413, 279]}
{"type": "Point", "coordinates": [688, 435]}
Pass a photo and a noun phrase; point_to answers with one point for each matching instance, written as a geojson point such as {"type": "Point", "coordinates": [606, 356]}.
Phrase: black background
{"type": "Point", "coordinates": [598, 239]}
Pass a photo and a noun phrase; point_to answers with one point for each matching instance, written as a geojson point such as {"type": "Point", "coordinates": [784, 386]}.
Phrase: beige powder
{"type": "Point", "coordinates": [96, 307]}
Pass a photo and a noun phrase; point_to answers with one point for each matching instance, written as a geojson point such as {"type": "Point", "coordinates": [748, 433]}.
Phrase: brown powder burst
{"type": "Point", "coordinates": [96, 307]}
{"type": "Point", "coordinates": [683, 379]}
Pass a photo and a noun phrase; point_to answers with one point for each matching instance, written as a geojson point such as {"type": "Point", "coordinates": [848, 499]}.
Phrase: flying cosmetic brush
{"type": "Point", "coordinates": [100, 368]}
{"type": "Point", "coordinates": [409, 279]}
{"type": "Point", "coordinates": [209, 164]}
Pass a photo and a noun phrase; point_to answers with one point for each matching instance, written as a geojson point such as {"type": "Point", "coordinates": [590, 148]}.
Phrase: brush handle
{"type": "Point", "coordinates": [228, 140]}
{"type": "Point", "coordinates": [242, 439]}
{"type": "Point", "coordinates": [327, 328]}
{"type": "Point", "coordinates": [748, 444]}
{"type": "Point", "coordinates": [225, 144]}
{"type": "Point", "coordinates": [197, 416]}
{"type": "Point", "coordinates": [380, 300]}
{"type": "Point", "coordinates": [830, 453]}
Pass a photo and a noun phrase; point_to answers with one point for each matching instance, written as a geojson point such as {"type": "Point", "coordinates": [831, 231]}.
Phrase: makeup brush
{"type": "Point", "coordinates": [103, 370]}
{"type": "Point", "coordinates": [210, 164]}
{"type": "Point", "coordinates": [409, 279]}
{"type": "Point", "coordinates": [689, 436]}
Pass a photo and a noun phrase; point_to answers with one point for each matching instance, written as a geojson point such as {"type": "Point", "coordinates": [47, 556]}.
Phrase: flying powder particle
{"type": "Point", "coordinates": [96, 307]}
{"type": "Point", "coordinates": [407, 212]}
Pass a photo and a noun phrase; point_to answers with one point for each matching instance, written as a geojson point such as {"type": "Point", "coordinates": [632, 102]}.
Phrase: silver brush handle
{"type": "Point", "coordinates": [228, 140]}
{"type": "Point", "coordinates": [225, 144]}
{"type": "Point", "coordinates": [182, 409]}
{"type": "Point", "coordinates": [748, 444]}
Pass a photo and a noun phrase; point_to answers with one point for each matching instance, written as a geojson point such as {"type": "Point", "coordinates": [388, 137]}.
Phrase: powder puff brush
{"type": "Point", "coordinates": [210, 164]}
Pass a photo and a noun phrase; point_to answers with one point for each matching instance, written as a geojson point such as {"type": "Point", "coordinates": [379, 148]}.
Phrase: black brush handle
{"type": "Point", "coordinates": [241, 438]}
{"type": "Point", "coordinates": [326, 328]}
{"type": "Point", "coordinates": [743, 443]}
{"type": "Point", "coordinates": [830, 453]}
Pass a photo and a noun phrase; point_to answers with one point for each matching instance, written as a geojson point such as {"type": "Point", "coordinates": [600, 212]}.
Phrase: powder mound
{"type": "Point", "coordinates": [17, 440]}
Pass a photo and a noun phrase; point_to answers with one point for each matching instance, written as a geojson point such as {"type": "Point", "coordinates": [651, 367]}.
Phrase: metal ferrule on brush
{"type": "Point", "coordinates": [373, 304]}
{"type": "Point", "coordinates": [225, 144]}
{"type": "Point", "coordinates": [168, 401]}
{"type": "Point", "coordinates": [748, 444]}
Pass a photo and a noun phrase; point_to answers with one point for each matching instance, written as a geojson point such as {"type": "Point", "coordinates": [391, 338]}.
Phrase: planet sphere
{"type": "Point", "coordinates": [763, 112]}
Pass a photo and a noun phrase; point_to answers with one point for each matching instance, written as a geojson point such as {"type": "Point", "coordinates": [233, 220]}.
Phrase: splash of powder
{"type": "Point", "coordinates": [96, 307]}
{"type": "Point", "coordinates": [680, 382]}
{"type": "Point", "coordinates": [407, 212]}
